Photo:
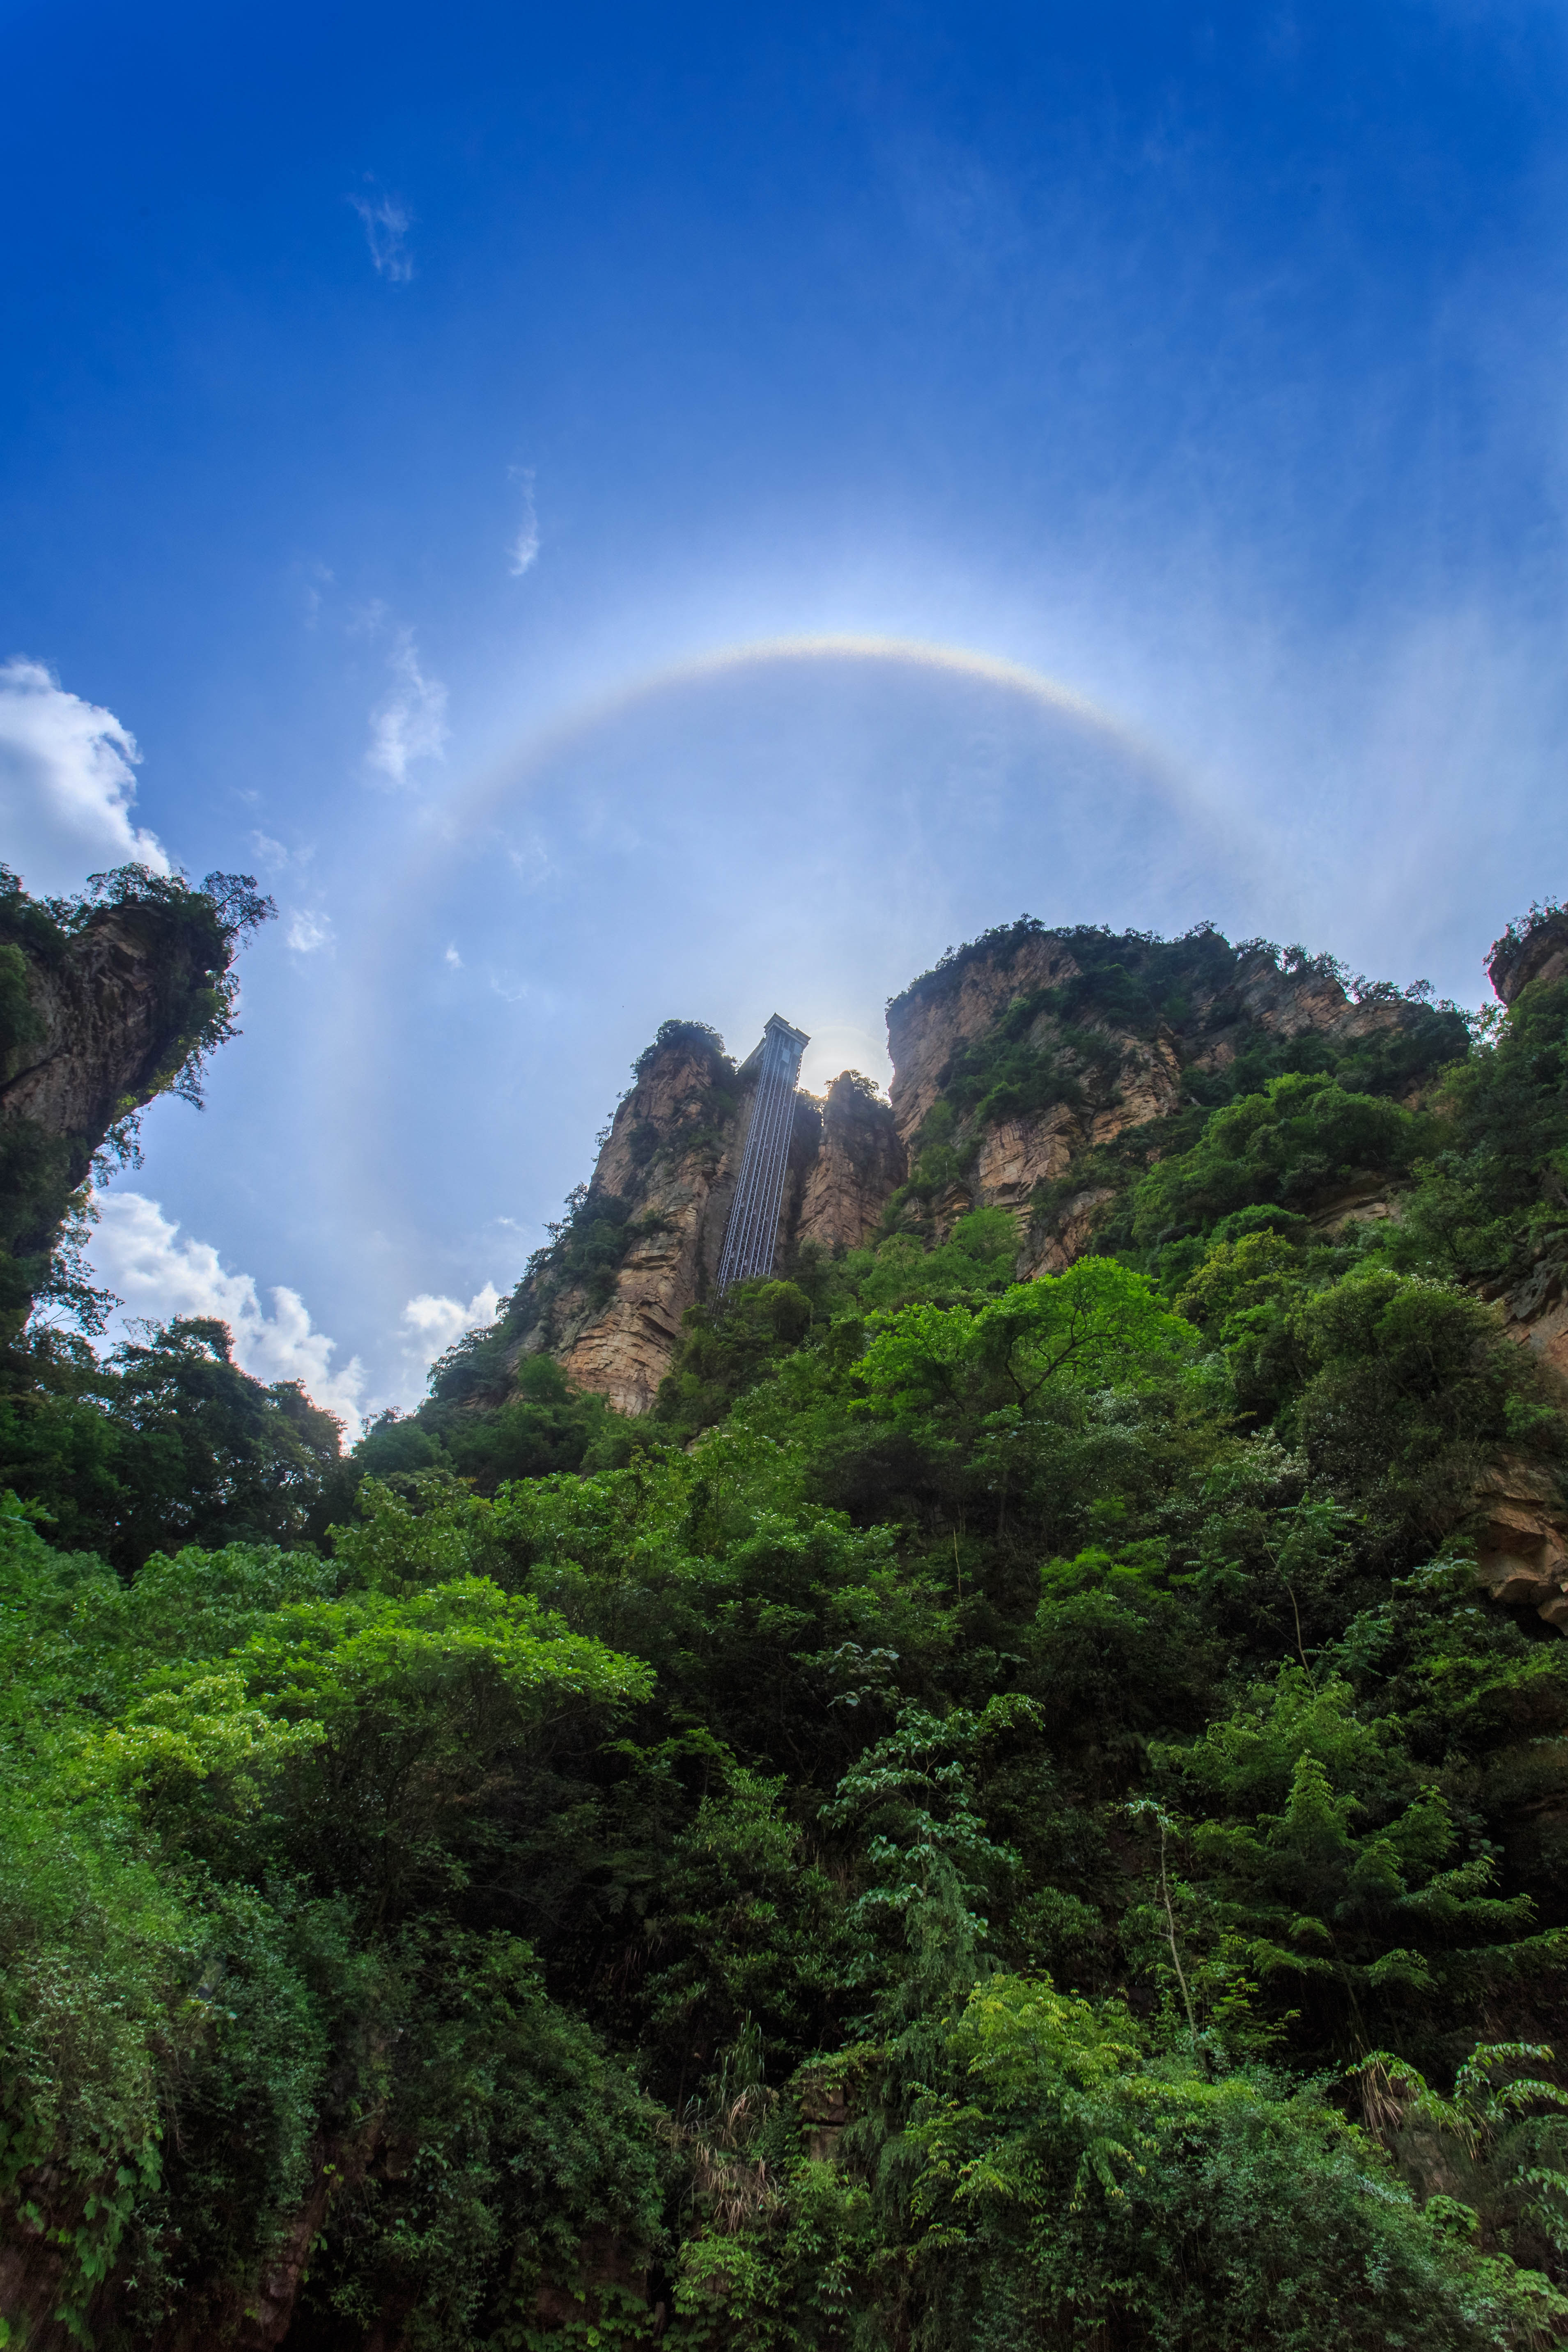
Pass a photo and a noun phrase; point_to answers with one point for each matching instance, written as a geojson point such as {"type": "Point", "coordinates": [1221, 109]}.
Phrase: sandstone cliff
{"type": "Point", "coordinates": [859, 1165]}
{"type": "Point", "coordinates": [1034, 1071]}
{"type": "Point", "coordinates": [642, 1243]}
{"type": "Point", "coordinates": [643, 1240]}
{"type": "Point", "coordinates": [1112, 1038]}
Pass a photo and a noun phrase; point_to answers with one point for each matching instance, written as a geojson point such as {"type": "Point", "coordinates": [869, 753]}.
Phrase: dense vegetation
{"type": "Point", "coordinates": [999, 1816]}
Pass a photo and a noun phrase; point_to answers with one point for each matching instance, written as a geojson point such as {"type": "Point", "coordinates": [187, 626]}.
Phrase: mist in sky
{"type": "Point", "coordinates": [404, 407]}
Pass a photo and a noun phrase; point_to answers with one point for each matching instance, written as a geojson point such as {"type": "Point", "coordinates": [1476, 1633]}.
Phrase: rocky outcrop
{"type": "Point", "coordinates": [1051, 1248]}
{"type": "Point", "coordinates": [1124, 1028]}
{"type": "Point", "coordinates": [1016, 1154]}
{"type": "Point", "coordinates": [823, 2116]}
{"type": "Point", "coordinates": [856, 1168]}
{"type": "Point", "coordinates": [1371, 1203]}
{"type": "Point", "coordinates": [1521, 1528]}
{"type": "Point", "coordinates": [663, 1183]}
{"type": "Point", "coordinates": [1535, 1308]}
{"type": "Point", "coordinates": [958, 1004]}
{"type": "Point", "coordinates": [102, 1006]}
{"type": "Point", "coordinates": [108, 1014]}
{"type": "Point", "coordinates": [1535, 1311]}
{"type": "Point", "coordinates": [615, 1327]}
{"type": "Point", "coordinates": [1119, 1069]}
{"type": "Point", "coordinates": [1533, 948]}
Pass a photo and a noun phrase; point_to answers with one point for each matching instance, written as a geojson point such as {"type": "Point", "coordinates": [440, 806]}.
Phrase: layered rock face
{"type": "Point", "coordinates": [644, 1245]}
{"type": "Point", "coordinates": [859, 1164]}
{"type": "Point", "coordinates": [1535, 1309]}
{"type": "Point", "coordinates": [671, 1164]}
{"type": "Point", "coordinates": [1118, 1073]}
{"type": "Point", "coordinates": [956, 1007]}
{"type": "Point", "coordinates": [614, 1328]}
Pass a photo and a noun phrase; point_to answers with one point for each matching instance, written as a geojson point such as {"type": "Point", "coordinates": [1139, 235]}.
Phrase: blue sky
{"type": "Point", "coordinates": [404, 409]}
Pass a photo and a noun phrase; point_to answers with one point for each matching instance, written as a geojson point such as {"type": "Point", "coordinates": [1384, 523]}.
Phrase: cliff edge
{"type": "Point", "coordinates": [1034, 1070]}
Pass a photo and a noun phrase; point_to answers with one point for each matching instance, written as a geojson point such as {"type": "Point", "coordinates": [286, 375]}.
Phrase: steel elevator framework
{"type": "Point", "coordinates": [751, 1236]}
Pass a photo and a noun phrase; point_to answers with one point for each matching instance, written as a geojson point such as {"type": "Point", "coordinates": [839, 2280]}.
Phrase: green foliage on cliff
{"type": "Point", "coordinates": [185, 941]}
{"type": "Point", "coordinates": [1063, 1046]}
{"type": "Point", "coordinates": [695, 1036]}
{"type": "Point", "coordinates": [1295, 1143]}
{"type": "Point", "coordinates": [1000, 1815]}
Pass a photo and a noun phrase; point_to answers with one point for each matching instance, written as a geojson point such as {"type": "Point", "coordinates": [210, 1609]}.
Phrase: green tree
{"type": "Point", "coordinates": [1071, 2180]}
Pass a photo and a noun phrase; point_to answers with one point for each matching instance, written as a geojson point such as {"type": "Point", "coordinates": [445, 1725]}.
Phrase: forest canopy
{"type": "Point", "coordinates": [999, 1814]}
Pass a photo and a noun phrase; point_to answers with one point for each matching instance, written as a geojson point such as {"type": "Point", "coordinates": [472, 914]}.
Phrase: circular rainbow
{"type": "Point", "coordinates": [1048, 696]}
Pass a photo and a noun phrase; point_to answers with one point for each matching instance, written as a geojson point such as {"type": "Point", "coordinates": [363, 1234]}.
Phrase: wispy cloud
{"type": "Point", "coordinates": [387, 221]}
{"type": "Point", "coordinates": [66, 783]}
{"type": "Point", "coordinates": [139, 1252]}
{"type": "Point", "coordinates": [524, 549]}
{"type": "Point", "coordinates": [410, 723]}
{"type": "Point", "coordinates": [307, 931]}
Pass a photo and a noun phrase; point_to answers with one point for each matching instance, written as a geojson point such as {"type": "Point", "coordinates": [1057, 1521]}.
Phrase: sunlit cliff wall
{"type": "Point", "coordinates": [1119, 1059]}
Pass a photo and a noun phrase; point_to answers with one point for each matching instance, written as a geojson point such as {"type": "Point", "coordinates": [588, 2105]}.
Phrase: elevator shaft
{"type": "Point", "coordinates": [750, 1237]}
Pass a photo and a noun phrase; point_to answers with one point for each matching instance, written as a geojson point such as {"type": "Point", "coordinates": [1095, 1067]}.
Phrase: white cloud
{"type": "Point", "coordinates": [66, 783]}
{"type": "Point", "coordinates": [453, 958]}
{"type": "Point", "coordinates": [524, 549]}
{"type": "Point", "coordinates": [308, 931]}
{"type": "Point", "coordinates": [138, 1253]}
{"type": "Point", "coordinates": [433, 1322]}
{"type": "Point", "coordinates": [387, 221]}
{"type": "Point", "coordinates": [411, 724]}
